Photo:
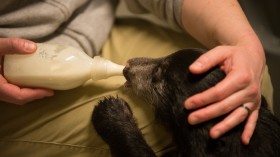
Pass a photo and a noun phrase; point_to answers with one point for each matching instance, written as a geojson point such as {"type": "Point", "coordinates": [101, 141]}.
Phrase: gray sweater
{"type": "Point", "coordinates": [81, 23]}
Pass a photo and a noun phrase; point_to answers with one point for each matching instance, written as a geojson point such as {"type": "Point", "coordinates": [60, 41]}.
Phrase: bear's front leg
{"type": "Point", "coordinates": [114, 122]}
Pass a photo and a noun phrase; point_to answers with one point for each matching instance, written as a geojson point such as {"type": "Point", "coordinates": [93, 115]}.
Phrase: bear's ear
{"type": "Point", "coordinates": [157, 74]}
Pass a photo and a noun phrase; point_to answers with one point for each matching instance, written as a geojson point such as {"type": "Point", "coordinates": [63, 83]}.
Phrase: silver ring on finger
{"type": "Point", "coordinates": [246, 108]}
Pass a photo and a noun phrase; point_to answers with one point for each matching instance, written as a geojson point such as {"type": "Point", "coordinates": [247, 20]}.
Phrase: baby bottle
{"type": "Point", "coordinates": [58, 67]}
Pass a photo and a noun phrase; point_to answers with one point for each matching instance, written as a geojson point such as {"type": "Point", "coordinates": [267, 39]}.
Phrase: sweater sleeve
{"type": "Point", "coordinates": [167, 10]}
{"type": "Point", "coordinates": [84, 24]}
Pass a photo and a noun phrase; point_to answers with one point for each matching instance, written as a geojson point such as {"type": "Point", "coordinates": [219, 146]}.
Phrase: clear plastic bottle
{"type": "Point", "coordinates": [58, 67]}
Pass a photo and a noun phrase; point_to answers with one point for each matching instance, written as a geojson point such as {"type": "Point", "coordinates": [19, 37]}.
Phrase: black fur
{"type": "Point", "coordinates": [115, 123]}
{"type": "Point", "coordinates": [165, 83]}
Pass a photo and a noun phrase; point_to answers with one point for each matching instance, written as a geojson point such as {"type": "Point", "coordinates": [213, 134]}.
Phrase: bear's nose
{"type": "Point", "coordinates": [126, 71]}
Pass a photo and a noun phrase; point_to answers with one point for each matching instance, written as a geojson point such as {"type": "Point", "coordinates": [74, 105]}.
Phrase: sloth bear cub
{"type": "Point", "coordinates": [165, 83]}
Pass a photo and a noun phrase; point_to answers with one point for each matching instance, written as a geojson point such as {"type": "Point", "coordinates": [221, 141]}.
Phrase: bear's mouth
{"type": "Point", "coordinates": [125, 74]}
{"type": "Point", "coordinates": [127, 84]}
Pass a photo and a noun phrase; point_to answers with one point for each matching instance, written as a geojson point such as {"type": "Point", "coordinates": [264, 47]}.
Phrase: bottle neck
{"type": "Point", "coordinates": [103, 68]}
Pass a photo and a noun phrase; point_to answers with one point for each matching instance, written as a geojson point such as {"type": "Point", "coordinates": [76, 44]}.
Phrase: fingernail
{"type": "Point", "coordinates": [29, 46]}
{"type": "Point", "coordinates": [197, 65]}
{"type": "Point", "coordinates": [50, 94]}
{"type": "Point", "coordinates": [189, 105]}
{"type": "Point", "coordinates": [247, 141]}
{"type": "Point", "coordinates": [193, 120]}
{"type": "Point", "coordinates": [216, 134]}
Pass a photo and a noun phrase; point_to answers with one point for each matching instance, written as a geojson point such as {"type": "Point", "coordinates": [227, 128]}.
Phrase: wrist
{"type": "Point", "coordinates": [251, 42]}
{"type": "Point", "coordinates": [248, 40]}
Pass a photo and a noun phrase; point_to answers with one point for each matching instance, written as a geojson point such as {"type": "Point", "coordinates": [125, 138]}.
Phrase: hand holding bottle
{"type": "Point", "coordinates": [12, 93]}
{"type": "Point", "coordinates": [59, 67]}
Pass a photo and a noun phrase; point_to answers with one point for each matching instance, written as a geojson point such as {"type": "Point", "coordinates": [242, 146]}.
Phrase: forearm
{"type": "Point", "coordinates": [218, 22]}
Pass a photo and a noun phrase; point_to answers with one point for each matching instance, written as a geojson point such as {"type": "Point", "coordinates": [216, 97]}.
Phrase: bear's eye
{"type": "Point", "coordinates": [157, 74]}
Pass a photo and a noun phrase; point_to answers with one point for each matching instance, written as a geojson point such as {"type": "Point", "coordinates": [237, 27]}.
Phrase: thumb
{"type": "Point", "coordinates": [16, 46]}
{"type": "Point", "coordinates": [207, 61]}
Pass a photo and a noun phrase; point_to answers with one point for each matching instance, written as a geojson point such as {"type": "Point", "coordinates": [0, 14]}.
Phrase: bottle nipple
{"type": "Point", "coordinates": [103, 68]}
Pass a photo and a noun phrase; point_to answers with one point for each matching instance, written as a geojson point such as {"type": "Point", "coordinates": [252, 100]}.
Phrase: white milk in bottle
{"type": "Point", "coordinates": [58, 67]}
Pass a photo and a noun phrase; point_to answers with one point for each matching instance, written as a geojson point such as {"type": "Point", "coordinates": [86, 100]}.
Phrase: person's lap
{"type": "Point", "coordinates": [61, 125]}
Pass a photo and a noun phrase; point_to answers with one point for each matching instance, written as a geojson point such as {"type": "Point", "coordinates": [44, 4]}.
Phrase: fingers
{"type": "Point", "coordinates": [20, 96]}
{"type": "Point", "coordinates": [223, 89]}
{"type": "Point", "coordinates": [217, 109]}
{"type": "Point", "coordinates": [25, 95]}
{"type": "Point", "coordinates": [11, 93]}
{"type": "Point", "coordinates": [236, 116]}
{"type": "Point", "coordinates": [250, 127]}
{"type": "Point", "coordinates": [241, 85]}
{"type": "Point", "coordinates": [16, 45]}
{"type": "Point", "coordinates": [239, 77]}
{"type": "Point", "coordinates": [233, 119]}
{"type": "Point", "coordinates": [207, 61]}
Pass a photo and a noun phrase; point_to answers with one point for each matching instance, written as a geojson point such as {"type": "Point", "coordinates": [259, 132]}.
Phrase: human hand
{"type": "Point", "coordinates": [12, 93]}
{"type": "Point", "coordinates": [242, 85]}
